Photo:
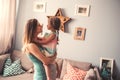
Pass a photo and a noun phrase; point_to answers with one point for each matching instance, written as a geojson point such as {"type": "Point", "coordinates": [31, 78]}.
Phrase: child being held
{"type": "Point", "coordinates": [50, 41]}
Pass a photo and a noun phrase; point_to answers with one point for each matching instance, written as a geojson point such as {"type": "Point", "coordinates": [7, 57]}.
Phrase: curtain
{"type": "Point", "coordinates": [7, 24]}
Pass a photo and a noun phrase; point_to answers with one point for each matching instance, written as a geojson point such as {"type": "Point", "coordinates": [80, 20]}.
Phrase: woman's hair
{"type": "Point", "coordinates": [29, 31]}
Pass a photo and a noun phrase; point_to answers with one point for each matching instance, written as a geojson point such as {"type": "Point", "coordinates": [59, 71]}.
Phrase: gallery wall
{"type": "Point", "coordinates": [102, 29]}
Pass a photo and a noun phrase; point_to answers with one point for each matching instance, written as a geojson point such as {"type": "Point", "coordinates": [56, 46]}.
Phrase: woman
{"type": "Point", "coordinates": [33, 50]}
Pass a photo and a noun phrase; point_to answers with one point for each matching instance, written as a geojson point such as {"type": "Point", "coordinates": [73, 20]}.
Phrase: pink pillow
{"type": "Point", "coordinates": [74, 73]}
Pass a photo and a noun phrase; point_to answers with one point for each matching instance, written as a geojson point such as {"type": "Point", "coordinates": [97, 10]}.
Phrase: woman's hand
{"type": "Point", "coordinates": [50, 60]}
{"type": "Point", "coordinates": [33, 49]}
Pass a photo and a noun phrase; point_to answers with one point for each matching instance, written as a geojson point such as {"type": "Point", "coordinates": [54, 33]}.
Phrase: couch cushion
{"type": "Point", "coordinates": [25, 62]}
{"type": "Point", "coordinates": [90, 75]}
{"type": "Point", "coordinates": [2, 60]}
{"type": "Point", "coordinates": [24, 76]}
{"type": "Point", "coordinates": [12, 69]}
{"type": "Point", "coordinates": [81, 65]}
{"type": "Point", "coordinates": [15, 55]}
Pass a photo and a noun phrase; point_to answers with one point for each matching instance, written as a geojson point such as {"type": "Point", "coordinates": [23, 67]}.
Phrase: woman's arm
{"type": "Point", "coordinates": [33, 49]}
{"type": "Point", "coordinates": [48, 39]}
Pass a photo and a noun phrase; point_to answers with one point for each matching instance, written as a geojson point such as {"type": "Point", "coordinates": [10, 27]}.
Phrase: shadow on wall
{"type": "Point", "coordinates": [116, 72]}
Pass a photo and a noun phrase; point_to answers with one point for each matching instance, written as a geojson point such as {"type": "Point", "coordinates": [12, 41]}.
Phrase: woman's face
{"type": "Point", "coordinates": [39, 28]}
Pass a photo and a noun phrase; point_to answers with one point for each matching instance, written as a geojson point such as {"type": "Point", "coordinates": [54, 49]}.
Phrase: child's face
{"type": "Point", "coordinates": [49, 27]}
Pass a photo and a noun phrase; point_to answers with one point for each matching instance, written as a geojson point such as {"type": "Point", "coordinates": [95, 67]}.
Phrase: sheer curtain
{"type": "Point", "coordinates": [7, 24]}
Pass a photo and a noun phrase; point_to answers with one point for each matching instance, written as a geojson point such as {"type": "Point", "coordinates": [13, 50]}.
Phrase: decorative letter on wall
{"type": "Point", "coordinates": [62, 18]}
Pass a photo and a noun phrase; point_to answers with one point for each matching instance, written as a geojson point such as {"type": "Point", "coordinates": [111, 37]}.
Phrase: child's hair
{"type": "Point", "coordinates": [55, 23]}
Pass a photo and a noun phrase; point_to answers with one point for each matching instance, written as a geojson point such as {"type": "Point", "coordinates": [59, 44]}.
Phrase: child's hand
{"type": "Point", "coordinates": [39, 38]}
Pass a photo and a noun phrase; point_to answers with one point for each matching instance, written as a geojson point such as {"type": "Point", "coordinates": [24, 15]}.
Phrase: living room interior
{"type": "Point", "coordinates": [101, 23]}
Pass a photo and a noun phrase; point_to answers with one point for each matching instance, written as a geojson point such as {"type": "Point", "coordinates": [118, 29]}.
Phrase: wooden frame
{"type": "Point", "coordinates": [39, 6]}
{"type": "Point", "coordinates": [79, 33]}
{"type": "Point", "coordinates": [82, 10]}
{"type": "Point", "coordinates": [106, 66]}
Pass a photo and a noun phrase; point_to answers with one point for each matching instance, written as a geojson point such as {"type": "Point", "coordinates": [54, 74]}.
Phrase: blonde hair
{"type": "Point", "coordinates": [29, 31]}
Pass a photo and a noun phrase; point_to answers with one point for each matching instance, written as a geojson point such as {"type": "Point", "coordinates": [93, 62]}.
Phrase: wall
{"type": "Point", "coordinates": [102, 35]}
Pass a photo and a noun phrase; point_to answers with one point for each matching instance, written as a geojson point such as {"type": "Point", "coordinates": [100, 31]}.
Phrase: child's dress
{"type": "Point", "coordinates": [50, 48]}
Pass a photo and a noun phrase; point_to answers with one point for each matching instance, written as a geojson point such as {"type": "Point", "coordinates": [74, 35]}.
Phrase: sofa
{"type": "Point", "coordinates": [61, 67]}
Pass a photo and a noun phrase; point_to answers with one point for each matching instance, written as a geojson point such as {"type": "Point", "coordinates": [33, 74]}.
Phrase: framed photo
{"type": "Point", "coordinates": [82, 10]}
{"type": "Point", "coordinates": [79, 33]}
{"type": "Point", "coordinates": [106, 68]}
{"type": "Point", "coordinates": [39, 6]}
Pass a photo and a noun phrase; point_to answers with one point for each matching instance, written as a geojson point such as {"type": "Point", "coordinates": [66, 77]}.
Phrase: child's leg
{"type": "Point", "coordinates": [47, 72]}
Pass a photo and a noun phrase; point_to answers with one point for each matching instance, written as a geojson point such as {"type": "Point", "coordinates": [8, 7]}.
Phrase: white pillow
{"type": "Point", "coordinates": [90, 75]}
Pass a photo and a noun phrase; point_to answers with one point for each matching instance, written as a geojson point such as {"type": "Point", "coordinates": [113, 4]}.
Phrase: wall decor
{"type": "Point", "coordinates": [106, 68]}
{"type": "Point", "coordinates": [82, 10]}
{"type": "Point", "coordinates": [39, 6]}
{"type": "Point", "coordinates": [79, 33]}
{"type": "Point", "coordinates": [62, 18]}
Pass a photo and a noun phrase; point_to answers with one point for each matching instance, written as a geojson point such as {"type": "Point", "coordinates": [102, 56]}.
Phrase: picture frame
{"type": "Point", "coordinates": [82, 10]}
{"type": "Point", "coordinates": [106, 68]}
{"type": "Point", "coordinates": [39, 6]}
{"type": "Point", "coordinates": [79, 33]}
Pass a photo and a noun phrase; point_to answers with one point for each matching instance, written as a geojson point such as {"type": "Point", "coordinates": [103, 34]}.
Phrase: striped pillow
{"type": "Point", "coordinates": [74, 73]}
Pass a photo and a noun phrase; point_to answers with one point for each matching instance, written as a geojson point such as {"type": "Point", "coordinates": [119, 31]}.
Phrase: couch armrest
{"type": "Point", "coordinates": [97, 73]}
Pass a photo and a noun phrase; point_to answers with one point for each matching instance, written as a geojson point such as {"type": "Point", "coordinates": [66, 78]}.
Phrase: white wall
{"type": "Point", "coordinates": [102, 35]}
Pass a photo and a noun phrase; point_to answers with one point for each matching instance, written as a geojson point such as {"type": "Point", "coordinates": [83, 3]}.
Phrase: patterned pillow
{"type": "Point", "coordinates": [74, 73]}
{"type": "Point", "coordinates": [12, 69]}
{"type": "Point", "coordinates": [8, 62]}
{"type": "Point", "coordinates": [2, 61]}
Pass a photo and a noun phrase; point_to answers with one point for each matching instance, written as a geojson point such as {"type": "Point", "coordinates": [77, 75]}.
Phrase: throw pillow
{"type": "Point", "coordinates": [2, 61]}
{"type": "Point", "coordinates": [25, 62]}
{"type": "Point", "coordinates": [90, 75]}
{"type": "Point", "coordinates": [74, 73]}
{"type": "Point", "coordinates": [12, 69]}
{"type": "Point", "coordinates": [8, 62]}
